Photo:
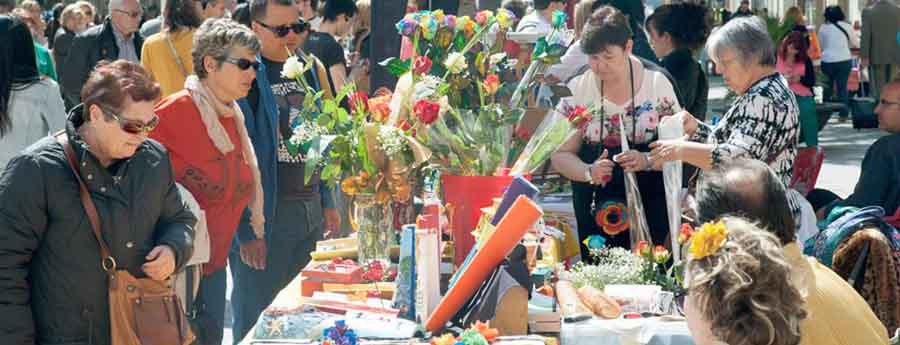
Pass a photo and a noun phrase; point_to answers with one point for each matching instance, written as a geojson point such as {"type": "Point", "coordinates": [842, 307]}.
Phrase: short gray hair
{"type": "Point", "coordinates": [217, 37]}
{"type": "Point", "coordinates": [746, 37]}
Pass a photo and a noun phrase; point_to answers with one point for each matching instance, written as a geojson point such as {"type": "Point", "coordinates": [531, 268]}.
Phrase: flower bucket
{"type": "Point", "coordinates": [464, 197]}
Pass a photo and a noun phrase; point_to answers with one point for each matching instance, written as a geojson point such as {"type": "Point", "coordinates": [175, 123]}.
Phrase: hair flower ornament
{"type": "Point", "coordinates": [708, 240]}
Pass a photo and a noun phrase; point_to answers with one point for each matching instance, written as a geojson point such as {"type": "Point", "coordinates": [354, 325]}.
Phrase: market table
{"type": "Point", "coordinates": [645, 331]}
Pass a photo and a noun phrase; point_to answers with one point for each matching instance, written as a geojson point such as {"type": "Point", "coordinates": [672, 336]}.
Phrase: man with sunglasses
{"type": "Point", "coordinates": [118, 38]}
{"type": "Point", "coordinates": [336, 24]}
{"type": "Point", "coordinates": [879, 179]}
{"type": "Point", "coordinates": [293, 209]}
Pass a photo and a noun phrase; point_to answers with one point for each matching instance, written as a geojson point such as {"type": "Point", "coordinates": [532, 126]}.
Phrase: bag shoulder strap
{"type": "Point", "coordinates": [838, 25]}
{"type": "Point", "coordinates": [174, 52]}
{"type": "Point", "coordinates": [108, 263]}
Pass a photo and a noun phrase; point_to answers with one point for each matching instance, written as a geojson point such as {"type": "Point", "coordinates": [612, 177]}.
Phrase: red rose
{"type": "Point", "coordinates": [491, 84]}
{"type": "Point", "coordinates": [359, 101]}
{"type": "Point", "coordinates": [426, 112]}
{"type": "Point", "coordinates": [421, 65]}
{"type": "Point", "coordinates": [522, 133]}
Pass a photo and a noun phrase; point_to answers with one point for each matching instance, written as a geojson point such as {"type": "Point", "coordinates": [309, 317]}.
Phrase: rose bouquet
{"type": "Point", "coordinates": [448, 90]}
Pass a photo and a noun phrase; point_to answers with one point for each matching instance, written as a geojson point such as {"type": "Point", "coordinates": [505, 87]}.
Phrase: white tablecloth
{"type": "Point", "coordinates": [650, 331]}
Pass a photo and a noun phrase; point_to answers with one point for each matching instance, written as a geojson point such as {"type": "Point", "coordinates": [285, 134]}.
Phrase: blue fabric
{"type": "Point", "coordinates": [211, 308]}
{"type": "Point", "coordinates": [823, 245]}
{"type": "Point", "coordinates": [263, 131]}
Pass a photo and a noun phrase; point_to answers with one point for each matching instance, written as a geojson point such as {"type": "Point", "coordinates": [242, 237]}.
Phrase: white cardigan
{"type": "Point", "coordinates": [34, 112]}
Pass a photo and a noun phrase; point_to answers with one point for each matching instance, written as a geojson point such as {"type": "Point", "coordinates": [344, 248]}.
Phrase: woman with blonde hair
{"type": "Point", "coordinates": [739, 287]}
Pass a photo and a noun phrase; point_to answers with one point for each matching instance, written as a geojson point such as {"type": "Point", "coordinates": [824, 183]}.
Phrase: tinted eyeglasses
{"type": "Point", "coordinates": [242, 63]}
{"type": "Point", "coordinates": [134, 126]}
{"type": "Point", "coordinates": [281, 31]}
{"type": "Point", "coordinates": [133, 15]}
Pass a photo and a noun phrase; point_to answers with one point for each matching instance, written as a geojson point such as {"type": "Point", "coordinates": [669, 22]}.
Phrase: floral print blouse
{"type": "Point", "coordinates": [655, 99]}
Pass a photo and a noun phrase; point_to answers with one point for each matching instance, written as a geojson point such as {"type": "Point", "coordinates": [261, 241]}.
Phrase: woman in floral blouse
{"type": "Point", "coordinates": [620, 90]}
{"type": "Point", "coordinates": [762, 123]}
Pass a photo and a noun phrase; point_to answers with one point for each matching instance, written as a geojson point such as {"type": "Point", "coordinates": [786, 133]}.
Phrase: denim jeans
{"type": "Point", "coordinates": [836, 75]}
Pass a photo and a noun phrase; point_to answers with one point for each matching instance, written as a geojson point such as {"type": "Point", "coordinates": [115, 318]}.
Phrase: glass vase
{"type": "Point", "coordinates": [373, 223]}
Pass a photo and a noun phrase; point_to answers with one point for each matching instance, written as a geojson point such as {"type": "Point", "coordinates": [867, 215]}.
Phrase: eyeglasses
{"type": "Point", "coordinates": [134, 126]}
{"type": "Point", "coordinates": [281, 31]}
{"type": "Point", "coordinates": [134, 15]}
{"type": "Point", "coordinates": [242, 63]}
{"type": "Point", "coordinates": [884, 103]}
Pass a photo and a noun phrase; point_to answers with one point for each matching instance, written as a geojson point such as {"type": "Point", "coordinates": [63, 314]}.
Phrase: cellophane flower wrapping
{"type": "Point", "coordinates": [671, 128]}
{"type": "Point", "coordinates": [639, 230]}
{"type": "Point", "coordinates": [554, 130]}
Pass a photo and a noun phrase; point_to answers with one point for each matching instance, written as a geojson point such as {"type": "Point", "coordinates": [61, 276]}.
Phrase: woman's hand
{"type": "Point", "coordinates": [688, 122]}
{"type": "Point", "coordinates": [160, 263]}
{"type": "Point", "coordinates": [632, 161]}
{"type": "Point", "coordinates": [665, 151]}
{"type": "Point", "coordinates": [601, 170]}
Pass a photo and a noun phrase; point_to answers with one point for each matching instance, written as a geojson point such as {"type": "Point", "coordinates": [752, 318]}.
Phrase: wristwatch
{"type": "Point", "coordinates": [588, 176]}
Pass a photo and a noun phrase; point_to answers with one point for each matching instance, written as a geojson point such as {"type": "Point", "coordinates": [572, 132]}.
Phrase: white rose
{"type": "Point", "coordinates": [293, 68]}
{"type": "Point", "coordinates": [456, 63]}
{"type": "Point", "coordinates": [497, 58]}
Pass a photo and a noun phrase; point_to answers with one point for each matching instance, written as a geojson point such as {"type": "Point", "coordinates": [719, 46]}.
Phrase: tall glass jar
{"type": "Point", "coordinates": [373, 223]}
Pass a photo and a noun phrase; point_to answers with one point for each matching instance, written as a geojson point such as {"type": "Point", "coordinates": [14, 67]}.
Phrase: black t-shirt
{"type": "Point", "coordinates": [289, 98]}
{"type": "Point", "coordinates": [328, 50]}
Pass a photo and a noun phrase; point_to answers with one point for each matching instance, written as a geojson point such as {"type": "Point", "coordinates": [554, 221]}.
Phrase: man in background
{"type": "Point", "coordinates": [117, 38]}
{"type": "Point", "coordinates": [879, 48]}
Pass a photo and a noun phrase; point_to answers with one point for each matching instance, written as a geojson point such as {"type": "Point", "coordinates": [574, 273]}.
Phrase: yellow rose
{"type": "Point", "coordinates": [708, 240]}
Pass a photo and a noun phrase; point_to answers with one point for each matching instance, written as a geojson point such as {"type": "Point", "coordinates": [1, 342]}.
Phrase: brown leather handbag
{"type": "Point", "coordinates": [141, 311]}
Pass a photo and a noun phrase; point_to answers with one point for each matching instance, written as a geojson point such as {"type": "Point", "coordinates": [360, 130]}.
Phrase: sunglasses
{"type": "Point", "coordinates": [134, 126]}
{"type": "Point", "coordinates": [281, 31]}
{"type": "Point", "coordinates": [133, 15]}
{"type": "Point", "coordinates": [885, 103]}
{"type": "Point", "coordinates": [242, 63]}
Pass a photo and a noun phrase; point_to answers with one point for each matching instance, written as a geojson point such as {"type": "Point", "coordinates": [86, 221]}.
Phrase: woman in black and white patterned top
{"type": "Point", "coordinates": [762, 123]}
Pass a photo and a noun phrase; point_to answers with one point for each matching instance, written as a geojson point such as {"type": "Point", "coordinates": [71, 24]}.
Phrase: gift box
{"type": "Point", "coordinates": [334, 273]}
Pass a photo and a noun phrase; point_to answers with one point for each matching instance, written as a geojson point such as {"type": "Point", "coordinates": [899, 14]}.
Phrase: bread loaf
{"type": "Point", "coordinates": [601, 304]}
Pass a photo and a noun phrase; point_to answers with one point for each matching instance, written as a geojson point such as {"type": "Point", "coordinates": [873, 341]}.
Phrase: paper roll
{"type": "Point", "coordinates": [523, 214]}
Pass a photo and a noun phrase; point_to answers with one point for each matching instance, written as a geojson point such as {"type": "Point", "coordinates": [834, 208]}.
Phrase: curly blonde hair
{"type": "Point", "coordinates": [744, 289]}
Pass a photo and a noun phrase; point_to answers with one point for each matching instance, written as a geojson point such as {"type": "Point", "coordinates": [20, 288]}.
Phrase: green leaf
{"type": "Point", "coordinates": [346, 90]}
{"type": "Point", "coordinates": [317, 148]}
{"type": "Point", "coordinates": [395, 66]}
{"type": "Point", "coordinates": [329, 106]}
{"type": "Point", "coordinates": [292, 149]}
{"type": "Point", "coordinates": [324, 120]}
{"type": "Point", "coordinates": [342, 115]}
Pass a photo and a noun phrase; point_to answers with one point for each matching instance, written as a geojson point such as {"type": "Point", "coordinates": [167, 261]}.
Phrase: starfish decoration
{"type": "Point", "coordinates": [275, 327]}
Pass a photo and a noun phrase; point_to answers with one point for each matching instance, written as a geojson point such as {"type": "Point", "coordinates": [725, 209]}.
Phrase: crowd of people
{"type": "Point", "coordinates": [132, 97]}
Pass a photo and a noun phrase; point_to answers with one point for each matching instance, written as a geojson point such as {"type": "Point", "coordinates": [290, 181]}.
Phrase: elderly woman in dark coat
{"type": "Point", "coordinates": [53, 289]}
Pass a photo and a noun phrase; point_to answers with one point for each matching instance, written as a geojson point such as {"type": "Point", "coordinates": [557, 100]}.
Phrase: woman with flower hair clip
{"type": "Point", "coordinates": [739, 287]}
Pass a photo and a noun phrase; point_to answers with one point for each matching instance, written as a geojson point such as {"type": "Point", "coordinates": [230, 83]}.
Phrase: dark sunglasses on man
{"type": "Point", "coordinates": [299, 27]}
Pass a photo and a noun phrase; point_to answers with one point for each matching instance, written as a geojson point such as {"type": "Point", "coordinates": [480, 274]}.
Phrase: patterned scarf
{"type": "Point", "coordinates": [210, 110]}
